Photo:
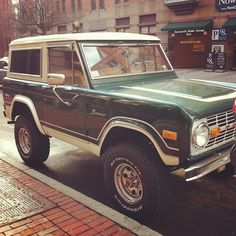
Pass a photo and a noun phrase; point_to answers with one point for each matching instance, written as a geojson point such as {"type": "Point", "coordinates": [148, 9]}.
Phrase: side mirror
{"type": "Point", "coordinates": [56, 79]}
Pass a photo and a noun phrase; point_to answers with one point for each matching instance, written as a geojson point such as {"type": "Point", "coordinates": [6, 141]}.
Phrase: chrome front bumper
{"type": "Point", "coordinates": [208, 165]}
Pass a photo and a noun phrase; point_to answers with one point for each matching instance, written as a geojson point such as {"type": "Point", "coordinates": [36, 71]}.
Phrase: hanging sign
{"type": "Point", "coordinates": [226, 5]}
{"type": "Point", "coordinates": [220, 34]}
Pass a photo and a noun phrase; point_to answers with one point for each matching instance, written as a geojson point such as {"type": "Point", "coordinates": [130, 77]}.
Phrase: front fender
{"type": "Point", "coordinates": [146, 129]}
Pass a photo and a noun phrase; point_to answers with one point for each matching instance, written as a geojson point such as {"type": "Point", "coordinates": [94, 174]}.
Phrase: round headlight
{"type": "Point", "coordinates": [201, 135]}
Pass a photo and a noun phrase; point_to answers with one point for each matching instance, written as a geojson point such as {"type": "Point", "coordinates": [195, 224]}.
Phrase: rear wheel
{"type": "Point", "coordinates": [32, 146]}
{"type": "Point", "coordinates": [138, 183]}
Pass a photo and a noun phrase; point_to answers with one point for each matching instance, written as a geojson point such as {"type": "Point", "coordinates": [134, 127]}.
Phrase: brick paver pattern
{"type": "Point", "coordinates": [69, 217]}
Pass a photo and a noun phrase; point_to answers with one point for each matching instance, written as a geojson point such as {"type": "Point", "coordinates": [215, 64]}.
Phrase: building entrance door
{"type": "Point", "coordinates": [234, 58]}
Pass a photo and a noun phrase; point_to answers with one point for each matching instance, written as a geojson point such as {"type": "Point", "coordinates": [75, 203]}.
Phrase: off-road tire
{"type": "Point", "coordinates": [153, 198]}
{"type": "Point", "coordinates": [32, 146]}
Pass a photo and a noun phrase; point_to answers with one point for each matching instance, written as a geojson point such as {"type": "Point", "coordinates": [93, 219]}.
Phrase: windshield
{"type": "Point", "coordinates": [116, 60]}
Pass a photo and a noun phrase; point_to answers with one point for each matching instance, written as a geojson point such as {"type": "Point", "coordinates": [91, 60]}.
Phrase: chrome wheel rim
{"type": "Point", "coordinates": [25, 140]}
{"type": "Point", "coordinates": [128, 183]}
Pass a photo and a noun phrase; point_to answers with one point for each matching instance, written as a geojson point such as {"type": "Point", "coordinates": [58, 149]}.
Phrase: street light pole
{"type": "Point", "coordinates": [77, 25]}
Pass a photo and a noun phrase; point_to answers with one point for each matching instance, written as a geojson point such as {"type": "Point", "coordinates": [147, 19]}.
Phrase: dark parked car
{"type": "Point", "coordinates": [3, 68]}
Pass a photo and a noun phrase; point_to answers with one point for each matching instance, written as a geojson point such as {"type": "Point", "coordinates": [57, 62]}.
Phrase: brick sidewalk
{"type": "Point", "coordinates": [69, 217]}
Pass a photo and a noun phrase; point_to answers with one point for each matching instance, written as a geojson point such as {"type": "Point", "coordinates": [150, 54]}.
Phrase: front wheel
{"type": "Point", "coordinates": [32, 146]}
{"type": "Point", "coordinates": [138, 183]}
{"type": "Point", "coordinates": [229, 171]}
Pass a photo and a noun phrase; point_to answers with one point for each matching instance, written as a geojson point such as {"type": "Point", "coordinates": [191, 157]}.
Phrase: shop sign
{"type": "Point", "coordinates": [226, 5]}
{"type": "Point", "coordinates": [210, 61]}
{"type": "Point", "coordinates": [189, 31]}
{"type": "Point", "coordinates": [219, 34]}
{"type": "Point", "coordinates": [220, 61]}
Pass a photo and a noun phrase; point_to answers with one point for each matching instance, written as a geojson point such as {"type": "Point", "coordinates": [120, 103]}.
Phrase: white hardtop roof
{"type": "Point", "coordinates": [91, 36]}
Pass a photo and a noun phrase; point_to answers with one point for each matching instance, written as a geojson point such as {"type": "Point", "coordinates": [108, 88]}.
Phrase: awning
{"type": "Point", "coordinates": [230, 23]}
{"type": "Point", "coordinates": [191, 25]}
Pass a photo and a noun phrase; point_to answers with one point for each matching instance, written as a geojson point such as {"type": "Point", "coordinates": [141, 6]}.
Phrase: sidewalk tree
{"type": "Point", "coordinates": [33, 15]}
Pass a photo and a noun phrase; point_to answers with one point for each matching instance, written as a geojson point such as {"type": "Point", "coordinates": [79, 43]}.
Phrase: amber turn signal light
{"type": "Point", "coordinates": [215, 132]}
{"type": "Point", "coordinates": [169, 135]}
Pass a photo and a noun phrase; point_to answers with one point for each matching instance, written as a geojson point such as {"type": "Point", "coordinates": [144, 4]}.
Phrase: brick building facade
{"type": "Point", "coordinates": [189, 29]}
{"type": "Point", "coordinates": [6, 27]}
{"type": "Point", "coordinates": [197, 28]}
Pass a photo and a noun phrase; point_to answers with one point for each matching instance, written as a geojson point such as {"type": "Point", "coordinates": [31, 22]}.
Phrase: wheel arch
{"type": "Point", "coordinates": [119, 128]}
{"type": "Point", "coordinates": [22, 104]}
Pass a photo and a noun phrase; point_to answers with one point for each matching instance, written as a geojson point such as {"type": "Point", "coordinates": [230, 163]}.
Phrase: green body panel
{"type": "Point", "coordinates": [154, 102]}
{"type": "Point", "coordinates": [195, 98]}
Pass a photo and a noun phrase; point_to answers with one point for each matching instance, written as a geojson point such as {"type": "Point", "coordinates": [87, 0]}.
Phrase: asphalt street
{"type": "Point", "coordinates": [203, 207]}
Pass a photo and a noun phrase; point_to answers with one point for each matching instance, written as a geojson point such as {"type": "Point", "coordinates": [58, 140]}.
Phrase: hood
{"type": "Point", "coordinates": [198, 98]}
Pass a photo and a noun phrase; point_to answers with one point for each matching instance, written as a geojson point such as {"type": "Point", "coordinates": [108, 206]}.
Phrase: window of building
{"type": "Point", "coordinates": [147, 24]}
{"type": "Point", "coordinates": [151, 30]}
{"type": "Point", "coordinates": [63, 6]}
{"type": "Point", "coordinates": [93, 5]}
{"type": "Point", "coordinates": [126, 2]}
{"type": "Point", "coordinates": [62, 28]}
{"type": "Point", "coordinates": [5, 3]}
{"type": "Point", "coordinates": [117, 2]}
{"type": "Point", "coordinates": [64, 60]}
{"type": "Point", "coordinates": [101, 4]}
{"type": "Point", "coordinates": [122, 24]}
{"type": "Point", "coordinates": [58, 7]}
{"type": "Point", "coordinates": [79, 5]}
{"type": "Point", "coordinates": [72, 5]}
{"type": "Point", "coordinates": [26, 62]}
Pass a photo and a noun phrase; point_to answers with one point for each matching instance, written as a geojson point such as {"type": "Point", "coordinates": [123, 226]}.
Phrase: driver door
{"type": "Point", "coordinates": [64, 105]}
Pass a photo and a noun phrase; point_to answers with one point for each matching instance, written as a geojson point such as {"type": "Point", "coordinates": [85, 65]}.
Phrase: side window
{"type": "Point", "coordinates": [26, 62]}
{"type": "Point", "coordinates": [64, 60]}
{"type": "Point", "coordinates": [60, 62]}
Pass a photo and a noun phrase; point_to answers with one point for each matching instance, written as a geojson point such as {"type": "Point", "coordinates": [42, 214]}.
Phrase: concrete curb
{"type": "Point", "coordinates": [128, 223]}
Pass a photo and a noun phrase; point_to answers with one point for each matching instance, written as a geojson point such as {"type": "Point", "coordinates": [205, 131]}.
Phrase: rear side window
{"type": "Point", "coordinates": [26, 62]}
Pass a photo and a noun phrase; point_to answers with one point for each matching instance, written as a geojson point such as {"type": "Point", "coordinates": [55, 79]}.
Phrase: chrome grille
{"type": "Point", "coordinates": [226, 123]}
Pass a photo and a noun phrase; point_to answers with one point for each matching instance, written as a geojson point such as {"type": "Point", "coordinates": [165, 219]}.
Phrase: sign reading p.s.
{"type": "Point", "coordinates": [219, 34]}
{"type": "Point", "coordinates": [226, 5]}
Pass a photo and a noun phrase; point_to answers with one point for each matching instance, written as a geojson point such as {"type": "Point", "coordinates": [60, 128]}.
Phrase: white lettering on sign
{"type": "Point", "coordinates": [215, 34]}
{"type": "Point", "coordinates": [226, 2]}
{"type": "Point", "coordinates": [226, 5]}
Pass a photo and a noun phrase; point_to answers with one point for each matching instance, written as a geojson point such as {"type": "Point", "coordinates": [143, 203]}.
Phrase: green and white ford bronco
{"type": "Point", "coordinates": [117, 96]}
